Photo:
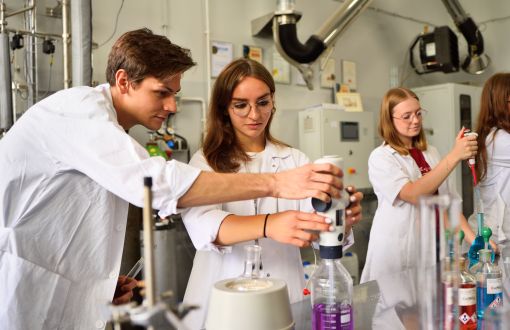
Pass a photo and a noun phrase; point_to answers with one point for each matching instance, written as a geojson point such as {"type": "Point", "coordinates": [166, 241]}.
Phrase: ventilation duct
{"type": "Point", "coordinates": [303, 55]}
{"type": "Point", "coordinates": [476, 61]}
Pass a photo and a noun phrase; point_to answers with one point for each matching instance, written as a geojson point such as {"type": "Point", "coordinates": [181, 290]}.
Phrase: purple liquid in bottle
{"type": "Point", "coordinates": [332, 317]}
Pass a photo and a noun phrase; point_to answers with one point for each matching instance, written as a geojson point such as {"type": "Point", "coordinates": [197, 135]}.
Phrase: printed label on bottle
{"type": "Point", "coordinates": [345, 317]}
{"type": "Point", "coordinates": [467, 296]}
{"type": "Point", "coordinates": [494, 286]}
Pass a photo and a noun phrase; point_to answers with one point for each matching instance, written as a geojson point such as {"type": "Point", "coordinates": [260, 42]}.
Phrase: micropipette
{"type": "Point", "coordinates": [471, 161]}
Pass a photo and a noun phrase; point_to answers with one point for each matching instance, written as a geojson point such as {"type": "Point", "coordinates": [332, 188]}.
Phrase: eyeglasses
{"type": "Point", "coordinates": [243, 108]}
{"type": "Point", "coordinates": [409, 116]}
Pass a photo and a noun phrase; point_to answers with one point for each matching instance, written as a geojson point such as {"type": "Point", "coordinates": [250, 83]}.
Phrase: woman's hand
{"type": "Point", "coordinates": [465, 147]}
{"type": "Point", "coordinates": [353, 212]}
{"type": "Point", "coordinates": [293, 227]}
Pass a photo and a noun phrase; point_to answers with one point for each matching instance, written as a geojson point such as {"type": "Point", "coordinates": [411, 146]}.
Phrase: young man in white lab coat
{"type": "Point", "coordinates": [69, 169]}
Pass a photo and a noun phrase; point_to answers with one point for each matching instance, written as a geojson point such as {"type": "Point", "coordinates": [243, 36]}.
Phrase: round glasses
{"type": "Point", "coordinates": [409, 116]}
{"type": "Point", "coordinates": [243, 108]}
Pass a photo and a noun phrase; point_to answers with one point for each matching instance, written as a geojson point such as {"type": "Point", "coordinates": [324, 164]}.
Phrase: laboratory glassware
{"type": "Point", "coordinates": [489, 283]}
{"type": "Point", "coordinates": [331, 285]}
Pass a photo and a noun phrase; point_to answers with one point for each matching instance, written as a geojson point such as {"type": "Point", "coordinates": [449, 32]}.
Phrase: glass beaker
{"type": "Point", "coordinates": [437, 255]}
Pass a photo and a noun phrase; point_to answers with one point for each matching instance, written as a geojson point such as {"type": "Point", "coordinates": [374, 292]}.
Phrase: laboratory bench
{"type": "Point", "coordinates": [404, 301]}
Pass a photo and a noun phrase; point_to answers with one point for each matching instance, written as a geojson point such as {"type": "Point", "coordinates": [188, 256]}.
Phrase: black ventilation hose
{"type": "Point", "coordinates": [473, 36]}
{"type": "Point", "coordinates": [300, 53]}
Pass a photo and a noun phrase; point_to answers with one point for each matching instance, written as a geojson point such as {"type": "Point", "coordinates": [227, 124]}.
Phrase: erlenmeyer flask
{"type": "Point", "coordinates": [250, 279]}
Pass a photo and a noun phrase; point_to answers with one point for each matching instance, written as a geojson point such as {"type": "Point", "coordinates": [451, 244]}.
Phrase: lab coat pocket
{"type": "Point", "coordinates": [32, 297]}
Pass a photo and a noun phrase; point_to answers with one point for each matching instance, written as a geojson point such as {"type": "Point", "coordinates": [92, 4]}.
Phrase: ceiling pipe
{"type": "Point", "coordinates": [303, 55]}
{"type": "Point", "coordinates": [476, 61]}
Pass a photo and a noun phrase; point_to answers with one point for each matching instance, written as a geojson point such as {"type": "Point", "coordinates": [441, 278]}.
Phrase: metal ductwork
{"type": "Point", "coordinates": [303, 55]}
{"type": "Point", "coordinates": [476, 61]}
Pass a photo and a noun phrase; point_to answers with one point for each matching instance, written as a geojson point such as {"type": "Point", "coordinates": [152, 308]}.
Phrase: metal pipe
{"type": "Point", "coordinates": [19, 11]}
{"type": "Point", "coordinates": [308, 52]}
{"type": "Point", "coordinates": [42, 35]}
{"type": "Point", "coordinates": [6, 111]}
{"type": "Point", "coordinates": [3, 23]}
{"type": "Point", "coordinates": [81, 42]}
{"type": "Point", "coordinates": [203, 111]}
{"type": "Point", "coordinates": [476, 61]}
{"type": "Point", "coordinates": [455, 10]}
{"type": "Point", "coordinates": [32, 56]}
{"type": "Point", "coordinates": [285, 5]}
{"type": "Point", "coordinates": [207, 50]}
{"type": "Point", "coordinates": [65, 42]}
{"type": "Point", "coordinates": [340, 20]}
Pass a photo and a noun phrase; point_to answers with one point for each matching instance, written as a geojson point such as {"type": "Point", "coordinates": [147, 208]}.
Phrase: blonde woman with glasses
{"type": "Point", "coordinates": [239, 140]}
{"type": "Point", "coordinates": [402, 169]}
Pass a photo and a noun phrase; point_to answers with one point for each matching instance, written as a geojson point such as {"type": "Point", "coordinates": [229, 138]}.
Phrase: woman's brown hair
{"type": "Point", "coordinates": [221, 148]}
{"type": "Point", "coordinates": [387, 129]}
{"type": "Point", "coordinates": [494, 113]}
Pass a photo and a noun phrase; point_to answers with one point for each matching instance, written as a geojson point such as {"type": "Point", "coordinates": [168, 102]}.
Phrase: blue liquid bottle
{"type": "Point", "coordinates": [331, 287]}
{"type": "Point", "coordinates": [489, 283]}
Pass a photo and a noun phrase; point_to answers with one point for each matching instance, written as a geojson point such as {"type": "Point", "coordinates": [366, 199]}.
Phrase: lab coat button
{"type": "Point", "coordinates": [100, 324]}
{"type": "Point", "coordinates": [118, 227]}
{"type": "Point", "coordinates": [112, 275]}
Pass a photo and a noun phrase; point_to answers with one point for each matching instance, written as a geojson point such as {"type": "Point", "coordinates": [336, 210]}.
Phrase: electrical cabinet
{"type": "Point", "coordinates": [327, 129]}
{"type": "Point", "coordinates": [451, 106]}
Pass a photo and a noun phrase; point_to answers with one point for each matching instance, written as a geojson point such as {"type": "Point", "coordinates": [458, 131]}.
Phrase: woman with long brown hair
{"type": "Point", "coordinates": [493, 158]}
{"type": "Point", "coordinates": [239, 140]}
{"type": "Point", "coordinates": [401, 170]}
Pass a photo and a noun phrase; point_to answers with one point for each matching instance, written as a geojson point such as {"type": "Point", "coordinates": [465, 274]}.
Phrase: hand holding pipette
{"type": "Point", "coordinates": [471, 161]}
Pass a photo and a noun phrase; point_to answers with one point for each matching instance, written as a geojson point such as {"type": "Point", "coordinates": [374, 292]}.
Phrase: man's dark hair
{"type": "Point", "coordinates": [142, 53]}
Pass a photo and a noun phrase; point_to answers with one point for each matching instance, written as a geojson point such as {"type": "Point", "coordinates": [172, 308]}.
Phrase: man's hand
{"type": "Point", "coordinates": [321, 181]}
{"type": "Point", "coordinates": [124, 290]}
{"type": "Point", "coordinates": [292, 227]}
{"type": "Point", "coordinates": [353, 212]}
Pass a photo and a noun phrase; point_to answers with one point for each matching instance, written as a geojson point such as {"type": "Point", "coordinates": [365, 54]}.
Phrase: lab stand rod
{"type": "Point", "coordinates": [37, 34]}
{"type": "Point", "coordinates": [31, 25]}
{"type": "Point", "coordinates": [148, 242]}
{"type": "Point", "coordinates": [19, 11]}
{"type": "Point", "coordinates": [65, 41]}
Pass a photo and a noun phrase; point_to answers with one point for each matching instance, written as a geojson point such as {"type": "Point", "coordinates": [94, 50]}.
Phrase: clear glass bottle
{"type": "Point", "coordinates": [467, 298]}
{"type": "Point", "coordinates": [447, 287]}
{"type": "Point", "coordinates": [331, 287]}
{"type": "Point", "coordinates": [489, 283]}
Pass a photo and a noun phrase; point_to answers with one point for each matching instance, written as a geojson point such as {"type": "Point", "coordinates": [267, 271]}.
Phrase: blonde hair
{"type": "Point", "coordinates": [387, 129]}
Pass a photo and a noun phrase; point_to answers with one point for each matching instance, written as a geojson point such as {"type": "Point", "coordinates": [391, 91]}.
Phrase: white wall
{"type": "Point", "coordinates": [377, 42]}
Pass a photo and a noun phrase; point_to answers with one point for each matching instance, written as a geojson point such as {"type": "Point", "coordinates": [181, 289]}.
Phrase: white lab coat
{"type": "Point", "coordinates": [391, 248]}
{"type": "Point", "coordinates": [68, 170]}
{"type": "Point", "coordinates": [213, 263]}
{"type": "Point", "coordinates": [495, 188]}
